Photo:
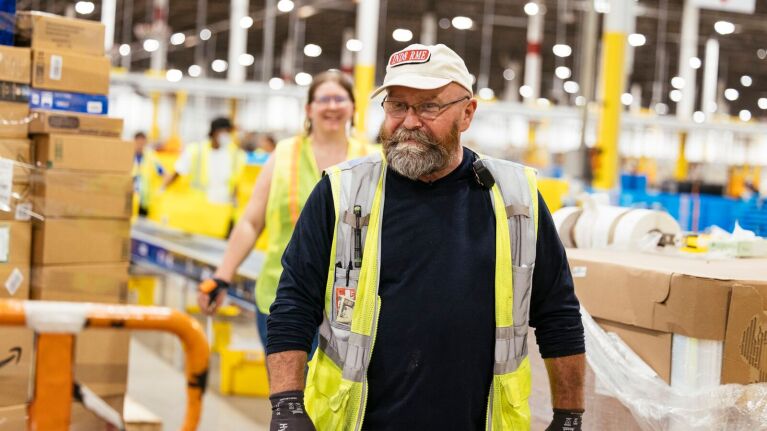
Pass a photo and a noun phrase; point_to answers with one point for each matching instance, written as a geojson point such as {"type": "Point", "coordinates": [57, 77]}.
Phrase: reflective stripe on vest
{"type": "Point", "coordinates": [294, 176]}
{"type": "Point", "coordinates": [336, 391]}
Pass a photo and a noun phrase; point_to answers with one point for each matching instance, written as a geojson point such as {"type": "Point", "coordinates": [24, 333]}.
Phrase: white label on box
{"type": "Point", "coordinates": [14, 281]}
{"type": "Point", "coordinates": [94, 107]}
{"type": "Point", "coordinates": [6, 183]}
{"type": "Point", "coordinates": [24, 211]}
{"type": "Point", "coordinates": [57, 64]}
{"type": "Point", "coordinates": [47, 100]}
{"type": "Point", "coordinates": [5, 243]}
{"type": "Point", "coordinates": [579, 271]}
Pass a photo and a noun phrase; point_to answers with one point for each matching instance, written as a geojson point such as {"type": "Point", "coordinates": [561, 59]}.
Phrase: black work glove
{"type": "Point", "coordinates": [211, 294]}
{"type": "Point", "coordinates": [288, 413]}
{"type": "Point", "coordinates": [566, 420]}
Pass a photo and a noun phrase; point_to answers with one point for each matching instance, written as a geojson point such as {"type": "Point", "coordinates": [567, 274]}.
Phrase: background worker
{"type": "Point", "coordinates": [145, 169]}
{"type": "Point", "coordinates": [212, 165]}
{"type": "Point", "coordinates": [455, 266]}
{"type": "Point", "coordinates": [283, 187]}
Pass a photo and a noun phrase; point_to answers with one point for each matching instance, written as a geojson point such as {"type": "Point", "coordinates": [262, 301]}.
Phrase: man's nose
{"type": "Point", "coordinates": [411, 121]}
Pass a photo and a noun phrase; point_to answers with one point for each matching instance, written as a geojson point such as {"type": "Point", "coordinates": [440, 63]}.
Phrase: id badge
{"type": "Point", "coordinates": [345, 297]}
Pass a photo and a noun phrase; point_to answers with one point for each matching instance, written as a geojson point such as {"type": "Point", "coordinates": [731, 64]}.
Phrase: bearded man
{"type": "Point", "coordinates": [422, 271]}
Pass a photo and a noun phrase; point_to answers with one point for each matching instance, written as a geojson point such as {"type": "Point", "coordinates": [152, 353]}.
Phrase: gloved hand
{"type": "Point", "coordinates": [211, 294]}
{"type": "Point", "coordinates": [288, 413]}
{"type": "Point", "coordinates": [566, 420]}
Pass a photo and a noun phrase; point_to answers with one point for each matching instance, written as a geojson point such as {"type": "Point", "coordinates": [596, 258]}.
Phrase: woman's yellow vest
{"type": "Point", "coordinates": [295, 175]}
{"type": "Point", "coordinates": [336, 390]}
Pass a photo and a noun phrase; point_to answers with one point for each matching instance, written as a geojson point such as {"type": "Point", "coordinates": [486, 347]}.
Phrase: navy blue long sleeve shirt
{"type": "Point", "coordinates": [433, 356]}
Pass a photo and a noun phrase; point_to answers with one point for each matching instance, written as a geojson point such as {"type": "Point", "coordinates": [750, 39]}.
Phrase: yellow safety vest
{"type": "Point", "coordinates": [336, 390]}
{"type": "Point", "coordinates": [145, 176]}
{"type": "Point", "coordinates": [200, 158]}
{"type": "Point", "coordinates": [295, 175]}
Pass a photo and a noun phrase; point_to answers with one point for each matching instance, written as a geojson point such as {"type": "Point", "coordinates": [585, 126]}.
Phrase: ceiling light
{"type": "Point", "coordinates": [84, 7]}
{"type": "Point", "coordinates": [509, 74]}
{"type": "Point", "coordinates": [563, 72]}
{"type": "Point", "coordinates": [205, 34]}
{"type": "Point", "coordinates": [306, 11]}
{"type": "Point", "coordinates": [276, 83]}
{"type": "Point", "coordinates": [303, 79]}
{"type": "Point", "coordinates": [246, 22]}
{"type": "Point", "coordinates": [724, 27]}
{"type": "Point", "coordinates": [661, 108]}
{"type": "Point", "coordinates": [746, 81]}
{"type": "Point", "coordinates": [444, 23]}
{"type": "Point", "coordinates": [677, 82]}
{"type": "Point", "coordinates": [571, 87]}
{"type": "Point", "coordinates": [562, 50]}
{"type": "Point", "coordinates": [762, 103]}
{"type": "Point", "coordinates": [526, 91]}
{"type": "Point", "coordinates": [636, 39]}
{"type": "Point", "coordinates": [177, 38]}
{"type": "Point", "coordinates": [246, 60]}
{"type": "Point", "coordinates": [194, 71]}
{"type": "Point", "coordinates": [151, 45]}
{"type": "Point", "coordinates": [486, 93]}
{"type": "Point", "coordinates": [285, 6]}
{"type": "Point", "coordinates": [627, 99]}
{"type": "Point", "coordinates": [675, 95]}
{"type": "Point", "coordinates": [462, 22]}
{"type": "Point", "coordinates": [532, 8]}
{"type": "Point", "coordinates": [173, 75]}
{"type": "Point", "coordinates": [698, 116]}
{"type": "Point", "coordinates": [761, 53]}
{"type": "Point", "coordinates": [402, 35]}
{"type": "Point", "coordinates": [744, 115]}
{"type": "Point", "coordinates": [354, 45]}
{"type": "Point", "coordinates": [312, 50]}
{"type": "Point", "coordinates": [124, 49]}
{"type": "Point", "coordinates": [695, 63]}
{"type": "Point", "coordinates": [731, 94]}
{"type": "Point", "coordinates": [219, 65]}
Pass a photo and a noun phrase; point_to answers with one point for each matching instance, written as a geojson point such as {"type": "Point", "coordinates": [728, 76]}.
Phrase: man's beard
{"type": "Point", "coordinates": [424, 155]}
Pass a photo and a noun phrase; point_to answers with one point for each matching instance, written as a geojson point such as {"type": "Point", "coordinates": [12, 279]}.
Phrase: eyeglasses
{"type": "Point", "coordinates": [425, 110]}
{"type": "Point", "coordinates": [327, 100]}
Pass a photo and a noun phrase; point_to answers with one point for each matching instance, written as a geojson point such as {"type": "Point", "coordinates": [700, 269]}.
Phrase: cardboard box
{"type": "Point", "coordinates": [57, 70]}
{"type": "Point", "coordinates": [106, 283]}
{"type": "Point", "coordinates": [19, 205]}
{"type": "Point", "coordinates": [16, 346]}
{"type": "Point", "coordinates": [17, 114]}
{"type": "Point", "coordinates": [40, 30]}
{"type": "Point", "coordinates": [15, 64]}
{"type": "Point", "coordinates": [19, 151]}
{"type": "Point", "coordinates": [101, 360]}
{"type": "Point", "coordinates": [95, 104]}
{"type": "Point", "coordinates": [80, 241]}
{"type": "Point", "coordinates": [15, 242]}
{"type": "Point", "coordinates": [13, 418]}
{"type": "Point", "coordinates": [60, 122]}
{"type": "Point", "coordinates": [84, 420]}
{"type": "Point", "coordinates": [84, 153]}
{"type": "Point", "coordinates": [14, 281]}
{"type": "Point", "coordinates": [82, 194]}
{"type": "Point", "coordinates": [722, 300]}
{"type": "Point", "coordinates": [14, 92]}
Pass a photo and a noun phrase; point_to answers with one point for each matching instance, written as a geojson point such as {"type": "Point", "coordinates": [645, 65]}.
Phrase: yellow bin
{"type": "Point", "coordinates": [243, 372]}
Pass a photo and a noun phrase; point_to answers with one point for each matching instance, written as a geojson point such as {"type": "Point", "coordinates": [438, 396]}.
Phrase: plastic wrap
{"type": "Point", "coordinates": [655, 405]}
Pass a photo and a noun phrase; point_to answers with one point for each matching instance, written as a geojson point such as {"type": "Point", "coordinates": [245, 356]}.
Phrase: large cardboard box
{"type": "Point", "coordinates": [19, 151]}
{"type": "Point", "coordinates": [15, 64]}
{"type": "Point", "coordinates": [16, 345]}
{"type": "Point", "coordinates": [16, 114]}
{"type": "Point", "coordinates": [668, 294]}
{"type": "Point", "coordinates": [47, 31]}
{"type": "Point", "coordinates": [82, 194]}
{"type": "Point", "coordinates": [92, 283]}
{"type": "Point", "coordinates": [101, 360]}
{"type": "Point", "coordinates": [57, 70]}
{"type": "Point", "coordinates": [80, 241]}
{"type": "Point", "coordinates": [13, 418]}
{"type": "Point", "coordinates": [67, 122]}
{"type": "Point", "coordinates": [84, 153]}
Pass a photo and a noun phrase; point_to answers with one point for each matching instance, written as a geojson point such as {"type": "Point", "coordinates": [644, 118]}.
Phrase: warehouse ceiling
{"type": "Point", "coordinates": [325, 20]}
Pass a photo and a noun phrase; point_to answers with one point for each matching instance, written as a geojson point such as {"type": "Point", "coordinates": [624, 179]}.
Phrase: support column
{"type": "Point", "coordinates": [347, 57]}
{"type": "Point", "coordinates": [127, 32]}
{"type": "Point", "coordinates": [617, 23]}
{"type": "Point", "coordinates": [108, 11]}
{"type": "Point", "coordinates": [365, 70]}
{"type": "Point", "coordinates": [267, 62]}
{"type": "Point", "coordinates": [429, 28]}
{"type": "Point", "coordinates": [486, 50]}
{"type": "Point", "coordinates": [199, 49]}
{"type": "Point", "coordinates": [688, 48]}
{"type": "Point", "coordinates": [586, 77]}
{"type": "Point", "coordinates": [710, 77]}
{"type": "Point", "coordinates": [533, 57]}
{"type": "Point", "coordinates": [238, 40]}
{"type": "Point", "coordinates": [160, 32]}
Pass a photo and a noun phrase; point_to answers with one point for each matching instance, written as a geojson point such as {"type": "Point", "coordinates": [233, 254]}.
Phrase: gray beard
{"type": "Point", "coordinates": [425, 157]}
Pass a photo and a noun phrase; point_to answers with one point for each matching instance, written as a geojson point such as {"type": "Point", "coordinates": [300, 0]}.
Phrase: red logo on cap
{"type": "Point", "coordinates": [411, 56]}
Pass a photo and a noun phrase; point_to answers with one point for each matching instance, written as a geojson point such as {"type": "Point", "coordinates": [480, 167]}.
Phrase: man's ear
{"type": "Point", "coordinates": [468, 114]}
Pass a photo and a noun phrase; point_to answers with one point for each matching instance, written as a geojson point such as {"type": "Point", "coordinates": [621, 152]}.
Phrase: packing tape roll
{"type": "Point", "coordinates": [565, 219]}
{"type": "Point", "coordinates": [604, 225]}
{"type": "Point", "coordinates": [635, 225]}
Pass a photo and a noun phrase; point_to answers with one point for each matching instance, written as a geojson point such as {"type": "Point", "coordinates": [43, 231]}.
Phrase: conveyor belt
{"type": "Point", "coordinates": [192, 256]}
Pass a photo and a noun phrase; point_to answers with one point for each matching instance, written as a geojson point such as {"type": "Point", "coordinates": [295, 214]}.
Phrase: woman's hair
{"type": "Point", "coordinates": [331, 75]}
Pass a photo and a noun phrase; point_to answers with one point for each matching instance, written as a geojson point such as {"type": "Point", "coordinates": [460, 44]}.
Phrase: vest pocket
{"type": "Point", "coordinates": [344, 297]}
{"type": "Point", "coordinates": [326, 394]}
{"type": "Point", "coordinates": [513, 410]}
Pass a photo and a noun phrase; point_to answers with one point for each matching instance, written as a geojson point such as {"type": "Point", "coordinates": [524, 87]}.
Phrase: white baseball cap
{"type": "Point", "coordinates": [425, 67]}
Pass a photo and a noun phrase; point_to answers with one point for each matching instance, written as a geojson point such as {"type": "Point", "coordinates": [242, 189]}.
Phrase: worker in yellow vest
{"type": "Point", "coordinates": [283, 186]}
{"type": "Point", "coordinates": [213, 166]}
{"type": "Point", "coordinates": [146, 171]}
{"type": "Point", "coordinates": [423, 268]}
